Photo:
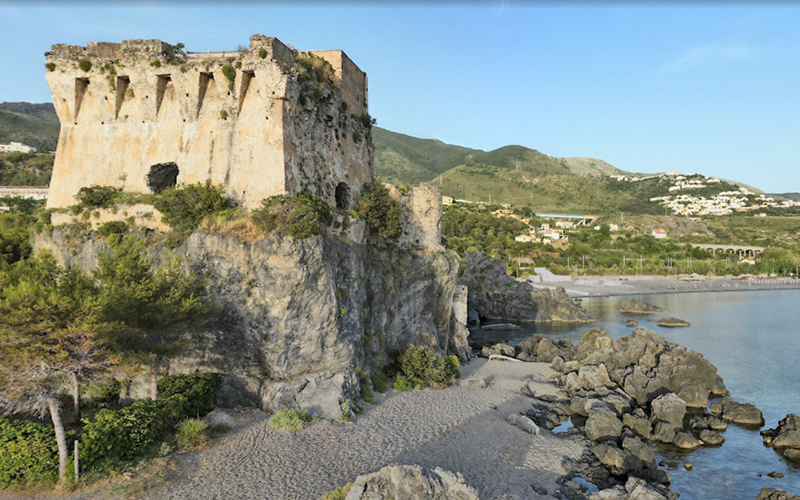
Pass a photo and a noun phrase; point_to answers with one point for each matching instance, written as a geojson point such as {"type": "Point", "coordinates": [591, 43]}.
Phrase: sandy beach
{"type": "Point", "coordinates": [607, 286]}
{"type": "Point", "coordinates": [463, 429]}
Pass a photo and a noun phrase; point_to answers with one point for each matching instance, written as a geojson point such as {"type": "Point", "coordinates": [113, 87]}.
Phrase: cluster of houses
{"type": "Point", "coordinates": [724, 203]}
{"type": "Point", "coordinates": [16, 147]}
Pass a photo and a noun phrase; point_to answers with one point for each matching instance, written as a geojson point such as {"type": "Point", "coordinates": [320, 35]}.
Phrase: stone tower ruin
{"type": "Point", "coordinates": [143, 115]}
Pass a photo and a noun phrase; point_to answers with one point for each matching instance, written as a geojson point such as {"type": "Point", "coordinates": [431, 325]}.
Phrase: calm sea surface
{"type": "Point", "coordinates": [753, 338]}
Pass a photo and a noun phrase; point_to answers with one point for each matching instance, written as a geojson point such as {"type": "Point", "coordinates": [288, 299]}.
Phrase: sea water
{"type": "Point", "coordinates": [753, 338]}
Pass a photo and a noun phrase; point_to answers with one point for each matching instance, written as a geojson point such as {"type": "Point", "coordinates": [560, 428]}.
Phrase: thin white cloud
{"type": "Point", "coordinates": [706, 56]}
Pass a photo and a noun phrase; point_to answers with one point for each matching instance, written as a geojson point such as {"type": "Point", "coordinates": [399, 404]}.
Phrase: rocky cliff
{"type": "Point", "coordinates": [301, 321]}
{"type": "Point", "coordinates": [494, 295]}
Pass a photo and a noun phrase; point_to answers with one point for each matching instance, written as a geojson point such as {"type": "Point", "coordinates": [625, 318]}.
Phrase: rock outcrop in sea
{"type": "Point", "coordinates": [623, 394]}
{"type": "Point", "coordinates": [632, 306]}
{"type": "Point", "coordinates": [494, 295]}
{"type": "Point", "coordinates": [785, 438]}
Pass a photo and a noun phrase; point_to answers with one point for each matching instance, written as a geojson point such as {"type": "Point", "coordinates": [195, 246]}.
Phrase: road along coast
{"type": "Point", "coordinates": [608, 286]}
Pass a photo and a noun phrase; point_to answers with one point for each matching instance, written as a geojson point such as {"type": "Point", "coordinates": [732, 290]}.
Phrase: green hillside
{"type": "Point", "coordinates": [32, 124]}
{"type": "Point", "coordinates": [402, 159]}
{"type": "Point", "coordinates": [519, 158]}
{"type": "Point", "coordinates": [564, 193]}
{"type": "Point", "coordinates": [594, 167]}
{"type": "Point", "coordinates": [43, 113]}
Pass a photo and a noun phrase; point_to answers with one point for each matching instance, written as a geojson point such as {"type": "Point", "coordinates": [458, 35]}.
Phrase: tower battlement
{"type": "Point", "coordinates": [142, 115]}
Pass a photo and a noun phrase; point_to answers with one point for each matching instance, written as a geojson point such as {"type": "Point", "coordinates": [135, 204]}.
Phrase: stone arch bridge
{"type": "Point", "coordinates": [741, 250]}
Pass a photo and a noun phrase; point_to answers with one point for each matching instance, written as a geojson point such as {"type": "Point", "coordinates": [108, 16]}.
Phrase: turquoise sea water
{"type": "Point", "coordinates": [753, 338]}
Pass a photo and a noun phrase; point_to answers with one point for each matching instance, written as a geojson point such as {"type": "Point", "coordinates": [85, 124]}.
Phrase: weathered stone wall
{"type": "Point", "coordinates": [257, 135]}
{"type": "Point", "coordinates": [423, 215]}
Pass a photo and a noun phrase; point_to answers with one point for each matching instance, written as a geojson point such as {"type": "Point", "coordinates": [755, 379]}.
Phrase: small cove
{"type": "Point", "coordinates": [753, 338]}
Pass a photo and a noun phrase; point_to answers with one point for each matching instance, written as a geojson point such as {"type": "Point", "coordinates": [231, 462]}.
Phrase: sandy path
{"type": "Point", "coordinates": [462, 429]}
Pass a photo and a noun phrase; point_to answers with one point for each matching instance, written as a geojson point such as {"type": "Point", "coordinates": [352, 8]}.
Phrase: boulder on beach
{"type": "Point", "coordinates": [672, 322]}
{"type": "Point", "coordinates": [738, 413]}
{"type": "Point", "coordinates": [785, 438]}
{"type": "Point", "coordinates": [412, 483]}
{"type": "Point", "coordinates": [501, 349]}
{"type": "Point", "coordinates": [775, 494]}
{"type": "Point", "coordinates": [603, 424]}
{"type": "Point", "coordinates": [632, 306]}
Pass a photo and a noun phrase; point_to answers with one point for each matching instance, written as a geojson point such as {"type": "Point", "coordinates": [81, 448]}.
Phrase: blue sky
{"type": "Point", "coordinates": [713, 89]}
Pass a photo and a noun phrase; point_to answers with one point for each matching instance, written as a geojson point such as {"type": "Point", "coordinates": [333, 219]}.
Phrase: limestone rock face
{"type": "Point", "coordinates": [410, 482]}
{"type": "Point", "coordinates": [299, 316]}
{"type": "Point", "coordinates": [738, 413]}
{"type": "Point", "coordinates": [497, 296]}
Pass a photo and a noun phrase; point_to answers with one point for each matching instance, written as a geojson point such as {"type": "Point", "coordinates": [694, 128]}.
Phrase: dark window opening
{"type": "Point", "coordinates": [342, 196]}
{"type": "Point", "coordinates": [162, 176]}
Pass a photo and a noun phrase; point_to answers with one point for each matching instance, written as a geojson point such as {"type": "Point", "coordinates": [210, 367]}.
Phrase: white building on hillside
{"type": "Point", "coordinates": [16, 147]}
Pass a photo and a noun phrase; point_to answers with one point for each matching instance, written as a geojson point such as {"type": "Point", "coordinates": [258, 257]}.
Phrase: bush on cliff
{"type": "Point", "coordinates": [298, 215]}
{"type": "Point", "coordinates": [185, 207]}
{"type": "Point", "coordinates": [97, 197]}
{"type": "Point", "coordinates": [381, 212]}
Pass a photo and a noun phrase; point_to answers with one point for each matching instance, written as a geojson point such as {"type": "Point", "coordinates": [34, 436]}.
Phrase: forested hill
{"type": "Point", "coordinates": [32, 124]}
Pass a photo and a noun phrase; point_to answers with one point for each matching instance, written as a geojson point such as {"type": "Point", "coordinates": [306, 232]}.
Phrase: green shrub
{"type": "Point", "coordinates": [381, 212]}
{"type": "Point", "coordinates": [347, 413]}
{"type": "Point", "coordinates": [401, 384]}
{"type": "Point", "coordinates": [356, 137]}
{"type": "Point", "coordinates": [191, 433]}
{"type": "Point", "coordinates": [339, 493]}
{"type": "Point", "coordinates": [97, 196]}
{"type": "Point", "coordinates": [115, 437]}
{"type": "Point", "coordinates": [85, 64]}
{"type": "Point", "coordinates": [299, 215]}
{"type": "Point", "coordinates": [290, 420]}
{"type": "Point", "coordinates": [230, 73]}
{"type": "Point", "coordinates": [199, 389]}
{"type": "Point", "coordinates": [156, 63]}
{"type": "Point", "coordinates": [28, 453]}
{"type": "Point", "coordinates": [106, 394]}
{"type": "Point", "coordinates": [113, 227]}
{"type": "Point", "coordinates": [262, 53]}
{"type": "Point", "coordinates": [51, 66]}
{"type": "Point", "coordinates": [421, 365]}
{"type": "Point", "coordinates": [379, 380]}
{"type": "Point", "coordinates": [185, 207]}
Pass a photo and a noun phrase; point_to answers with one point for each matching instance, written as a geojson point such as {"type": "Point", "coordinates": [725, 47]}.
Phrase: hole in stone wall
{"type": "Point", "coordinates": [162, 176]}
{"type": "Point", "coordinates": [342, 196]}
